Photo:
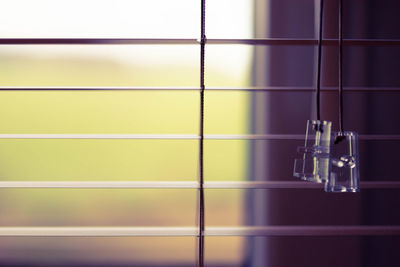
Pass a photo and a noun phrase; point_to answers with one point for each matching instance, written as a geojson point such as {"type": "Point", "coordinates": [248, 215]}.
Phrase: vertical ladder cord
{"type": "Point", "coordinates": [201, 143]}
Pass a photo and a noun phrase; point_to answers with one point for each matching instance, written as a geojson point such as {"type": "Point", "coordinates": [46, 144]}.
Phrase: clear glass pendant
{"type": "Point", "coordinates": [314, 165]}
{"type": "Point", "coordinates": [345, 171]}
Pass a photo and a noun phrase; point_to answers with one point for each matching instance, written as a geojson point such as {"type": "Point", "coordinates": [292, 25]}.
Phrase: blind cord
{"type": "Point", "coordinates": [318, 95]}
{"type": "Point", "coordinates": [340, 136]}
{"type": "Point", "coordinates": [340, 66]}
{"type": "Point", "coordinates": [201, 148]}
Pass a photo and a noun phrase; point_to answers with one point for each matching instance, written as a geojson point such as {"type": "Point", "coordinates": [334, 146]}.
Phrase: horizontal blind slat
{"type": "Point", "coordinates": [209, 231]}
{"type": "Point", "coordinates": [245, 89]}
{"type": "Point", "coordinates": [187, 184]}
{"type": "Point", "coordinates": [176, 41]}
{"type": "Point", "coordinates": [186, 136]}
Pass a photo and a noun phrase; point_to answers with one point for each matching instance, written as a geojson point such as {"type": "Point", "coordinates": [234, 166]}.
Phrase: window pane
{"type": "Point", "coordinates": [100, 18]}
{"type": "Point", "coordinates": [103, 160]}
{"type": "Point", "coordinates": [98, 207]}
{"type": "Point", "coordinates": [98, 251]}
{"type": "Point", "coordinates": [124, 112]}
{"type": "Point", "coordinates": [228, 65]}
{"type": "Point", "coordinates": [97, 65]}
{"type": "Point", "coordinates": [227, 112]}
{"type": "Point", "coordinates": [225, 251]}
{"type": "Point", "coordinates": [229, 19]}
{"type": "Point", "coordinates": [226, 160]}
{"type": "Point", "coordinates": [226, 207]}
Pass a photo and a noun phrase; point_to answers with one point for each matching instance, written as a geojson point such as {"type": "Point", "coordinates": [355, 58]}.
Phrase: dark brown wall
{"type": "Point", "coordinates": [365, 112]}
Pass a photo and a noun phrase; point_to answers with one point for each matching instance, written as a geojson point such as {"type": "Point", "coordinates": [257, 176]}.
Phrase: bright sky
{"type": "Point", "coordinates": [128, 19]}
{"type": "Point", "coordinates": [124, 18]}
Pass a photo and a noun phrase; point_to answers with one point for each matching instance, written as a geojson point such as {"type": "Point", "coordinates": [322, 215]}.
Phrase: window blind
{"type": "Point", "coordinates": [194, 231]}
{"type": "Point", "coordinates": [267, 230]}
{"type": "Point", "coordinates": [279, 42]}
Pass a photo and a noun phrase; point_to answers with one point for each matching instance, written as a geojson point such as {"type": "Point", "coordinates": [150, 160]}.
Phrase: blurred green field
{"type": "Point", "coordinates": [118, 112]}
{"type": "Point", "coordinates": [142, 112]}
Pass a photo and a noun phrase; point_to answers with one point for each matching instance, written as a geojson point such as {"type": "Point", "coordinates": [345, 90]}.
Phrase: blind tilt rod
{"type": "Point", "coordinates": [209, 231]}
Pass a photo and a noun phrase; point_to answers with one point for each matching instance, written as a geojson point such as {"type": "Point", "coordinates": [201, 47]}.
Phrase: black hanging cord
{"type": "Point", "coordinates": [318, 95]}
{"type": "Point", "coordinates": [201, 148]}
{"type": "Point", "coordinates": [340, 136]}
{"type": "Point", "coordinates": [341, 66]}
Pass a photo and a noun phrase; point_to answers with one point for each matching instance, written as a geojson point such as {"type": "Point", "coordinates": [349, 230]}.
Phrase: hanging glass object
{"type": "Point", "coordinates": [330, 158]}
{"type": "Point", "coordinates": [345, 170]}
{"type": "Point", "coordinates": [314, 165]}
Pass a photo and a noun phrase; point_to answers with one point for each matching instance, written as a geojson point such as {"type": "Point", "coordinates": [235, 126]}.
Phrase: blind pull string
{"type": "Point", "coordinates": [201, 143]}
{"type": "Point", "coordinates": [318, 95]}
{"type": "Point", "coordinates": [341, 66]}
{"type": "Point", "coordinates": [340, 136]}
